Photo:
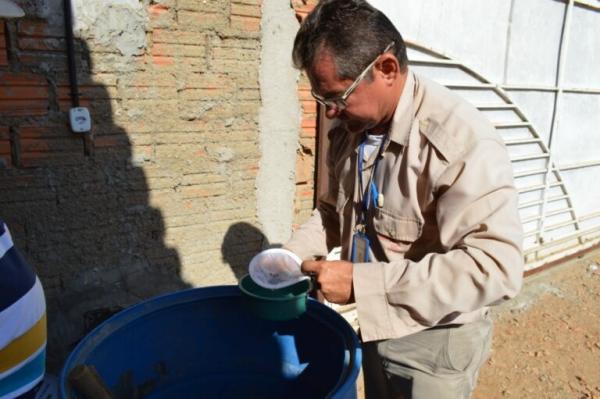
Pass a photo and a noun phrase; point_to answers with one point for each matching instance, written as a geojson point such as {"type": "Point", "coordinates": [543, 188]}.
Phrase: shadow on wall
{"type": "Point", "coordinates": [241, 242]}
{"type": "Point", "coordinates": [85, 223]}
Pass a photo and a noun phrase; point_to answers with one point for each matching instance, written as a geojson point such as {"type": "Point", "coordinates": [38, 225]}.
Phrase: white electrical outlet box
{"type": "Point", "coordinates": [81, 121]}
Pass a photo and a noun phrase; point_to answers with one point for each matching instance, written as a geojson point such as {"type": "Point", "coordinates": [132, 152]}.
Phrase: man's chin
{"type": "Point", "coordinates": [355, 126]}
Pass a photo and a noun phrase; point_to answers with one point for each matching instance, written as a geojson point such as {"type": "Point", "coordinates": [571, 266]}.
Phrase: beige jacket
{"type": "Point", "coordinates": [447, 241]}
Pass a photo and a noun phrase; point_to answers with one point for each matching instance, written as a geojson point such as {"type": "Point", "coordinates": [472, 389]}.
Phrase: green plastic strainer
{"type": "Point", "coordinates": [275, 304]}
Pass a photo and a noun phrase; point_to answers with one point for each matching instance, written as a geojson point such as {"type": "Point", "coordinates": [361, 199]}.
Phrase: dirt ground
{"type": "Point", "coordinates": [546, 341]}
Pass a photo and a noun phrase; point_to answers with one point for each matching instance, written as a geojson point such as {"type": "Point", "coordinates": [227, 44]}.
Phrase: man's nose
{"type": "Point", "coordinates": [331, 111]}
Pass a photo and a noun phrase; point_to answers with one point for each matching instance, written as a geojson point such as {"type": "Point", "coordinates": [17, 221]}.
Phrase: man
{"type": "Point", "coordinates": [22, 324]}
{"type": "Point", "coordinates": [422, 201]}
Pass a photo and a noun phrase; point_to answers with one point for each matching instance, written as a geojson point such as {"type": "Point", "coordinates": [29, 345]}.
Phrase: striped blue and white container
{"type": "Point", "coordinates": [22, 322]}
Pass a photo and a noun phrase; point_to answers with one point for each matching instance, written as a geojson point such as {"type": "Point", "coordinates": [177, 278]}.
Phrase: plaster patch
{"type": "Point", "coordinates": [118, 24]}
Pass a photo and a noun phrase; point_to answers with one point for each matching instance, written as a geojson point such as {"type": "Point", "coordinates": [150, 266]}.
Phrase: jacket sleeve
{"type": "Point", "coordinates": [321, 232]}
{"type": "Point", "coordinates": [309, 241]}
{"type": "Point", "coordinates": [482, 261]}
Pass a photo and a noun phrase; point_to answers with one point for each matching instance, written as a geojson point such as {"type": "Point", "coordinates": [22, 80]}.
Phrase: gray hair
{"type": "Point", "coordinates": [353, 31]}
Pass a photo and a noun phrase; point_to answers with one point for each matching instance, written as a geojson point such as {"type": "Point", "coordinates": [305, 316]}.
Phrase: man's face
{"type": "Point", "coordinates": [364, 108]}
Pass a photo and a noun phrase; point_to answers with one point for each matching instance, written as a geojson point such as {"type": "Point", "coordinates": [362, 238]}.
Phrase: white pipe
{"type": "Point", "coordinates": [564, 45]}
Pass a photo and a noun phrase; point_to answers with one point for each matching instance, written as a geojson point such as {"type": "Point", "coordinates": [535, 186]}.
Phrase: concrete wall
{"type": "Point", "coordinates": [517, 45]}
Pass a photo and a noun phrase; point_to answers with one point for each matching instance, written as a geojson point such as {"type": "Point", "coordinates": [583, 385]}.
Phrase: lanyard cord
{"type": "Point", "coordinates": [370, 192]}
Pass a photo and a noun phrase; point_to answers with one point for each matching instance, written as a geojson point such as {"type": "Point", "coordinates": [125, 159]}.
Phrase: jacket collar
{"type": "Point", "coordinates": [404, 114]}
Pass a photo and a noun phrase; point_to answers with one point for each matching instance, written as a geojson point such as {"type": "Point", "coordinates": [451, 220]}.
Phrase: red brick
{"type": "Point", "coordinates": [193, 65]}
{"type": "Point", "coordinates": [162, 49]}
{"type": "Point", "coordinates": [201, 94]}
{"type": "Point", "coordinates": [304, 94]}
{"type": "Point", "coordinates": [204, 190]}
{"type": "Point", "coordinates": [70, 143]}
{"type": "Point", "coordinates": [304, 168]}
{"type": "Point", "coordinates": [309, 107]}
{"type": "Point", "coordinates": [207, 81]}
{"type": "Point", "coordinates": [245, 10]}
{"type": "Point", "coordinates": [303, 8]}
{"type": "Point", "coordinates": [22, 79]}
{"type": "Point", "coordinates": [308, 146]}
{"type": "Point", "coordinates": [150, 92]}
{"type": "Point", "coordinates": [65, 104]}
{"type": "Point", "coordinates": [39, 159]}
{"type": "Point", "coordinates": [304, 193]}
{"type": "Point", "coordinates": [304, 5]}
{"type": "Point", "coordinates": [4, 147]}
{"type": "Point", "coordinates": [56, 60]}
{"type": "Point", "coordinates": [252, 2]}
{"type": "Point", "coordinates": [23, 107]}
{"type": "Point", "coordinates": [197, 5]}
{"type": "Point", "coordinates": [38, 28]}
{"type": "Point", "coordinates": [309, 123]}
{"type": "Point", "coordinates": [87, 92]}
{"type": "Point", "coordinates": [163, 61]}
{"type": "Point", "coordinates": [233, 53]}
{"type": "Point", "coordinates": [151, 79]}
{"type": "Point", "coordinates": [3, 51]}
{"type": "Point", "coordinates": [309, 132]}
{"type": "Point", "coordinates": [305, 164]}
{"type": "Point", "coordinates": [32, 132]}
{"type": "Point", "coordinates": [201, 20]}
{"type": "Point", "coordinates": [178, 37]}
{"type": "Point", "coordinates": [304, 84]}
{"type": "Point", "coordinates": [247, 24]}
{"type": "Point", "coordinates": [170, 49]}
{"type": "Point", "coordinates": [23, 92]}
{"type": "Point", "coordinates": [41, 44]}
{"type": "Point", "coordinates": [157, 10]}
{"type": "Point", "coordinates": [5, 160]}
{"type": "Point", "coordinates": [34, 145]}
{"type": "Point", "coordinates": [111, 141]}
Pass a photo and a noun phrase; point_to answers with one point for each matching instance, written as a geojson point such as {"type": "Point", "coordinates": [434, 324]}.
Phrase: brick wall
{"type": "Point", "coordinates": [307, 153]}
{"type": "Point", "coordinates": [161, 196]}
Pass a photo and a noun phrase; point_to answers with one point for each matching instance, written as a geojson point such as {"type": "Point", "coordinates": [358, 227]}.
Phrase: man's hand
{"type": "Point", "coordinates": [334, 277]}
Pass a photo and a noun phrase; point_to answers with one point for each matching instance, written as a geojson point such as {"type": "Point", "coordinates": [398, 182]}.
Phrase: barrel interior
{"type": "Point", "coordinates": [214, 348]}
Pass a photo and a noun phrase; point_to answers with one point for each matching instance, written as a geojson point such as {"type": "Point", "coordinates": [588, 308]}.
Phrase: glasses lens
{"type": "Point", "coordinates": [336, 104]}
{"type": "Point", "coordinates": [332, 103]}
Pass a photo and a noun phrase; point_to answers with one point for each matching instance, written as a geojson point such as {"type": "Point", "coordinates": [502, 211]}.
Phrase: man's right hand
{"type": "Point", "coordinates": [334, 278]}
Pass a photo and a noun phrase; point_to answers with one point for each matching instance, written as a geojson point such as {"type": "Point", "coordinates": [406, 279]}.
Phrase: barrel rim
{"type": "Point", "coordinates": [315, 309]}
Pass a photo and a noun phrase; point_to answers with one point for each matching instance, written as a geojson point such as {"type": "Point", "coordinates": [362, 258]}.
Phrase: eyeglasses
{"type": "Point", "coordinates": [339, 102]}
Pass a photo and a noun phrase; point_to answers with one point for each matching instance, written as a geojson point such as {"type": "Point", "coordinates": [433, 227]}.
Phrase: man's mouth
{"type": "Point", "coordinates": [353, 124]}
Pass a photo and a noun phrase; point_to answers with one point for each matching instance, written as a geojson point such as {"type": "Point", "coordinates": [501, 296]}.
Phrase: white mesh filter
{"type": "Point", "coordinates": [276, 268]}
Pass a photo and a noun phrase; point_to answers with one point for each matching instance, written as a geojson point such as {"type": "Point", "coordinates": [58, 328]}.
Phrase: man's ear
{"type": "Point", "coordinates": [388, 66]}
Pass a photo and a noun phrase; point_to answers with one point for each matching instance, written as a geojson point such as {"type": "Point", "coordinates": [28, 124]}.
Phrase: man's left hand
{"type": "Point", "coordinates": [334, 278]}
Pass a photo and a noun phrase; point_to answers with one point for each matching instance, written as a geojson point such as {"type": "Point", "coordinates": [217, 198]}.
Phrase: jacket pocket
{"type": "Point", "coordinates": [397, 227]}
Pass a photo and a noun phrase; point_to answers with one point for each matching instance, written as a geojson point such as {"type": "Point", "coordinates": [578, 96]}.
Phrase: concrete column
{"type": "Point", "coordinates": [279, 121]}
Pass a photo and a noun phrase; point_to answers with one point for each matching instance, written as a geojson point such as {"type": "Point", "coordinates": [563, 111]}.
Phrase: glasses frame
{"type": "Point", "coordinates": [339, 102]}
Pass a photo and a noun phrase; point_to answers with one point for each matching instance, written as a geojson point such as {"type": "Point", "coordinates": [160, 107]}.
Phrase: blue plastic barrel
{"type": "Point", "coordinates": [202, 343]}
